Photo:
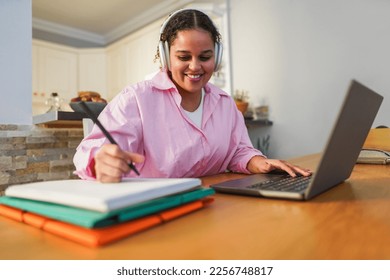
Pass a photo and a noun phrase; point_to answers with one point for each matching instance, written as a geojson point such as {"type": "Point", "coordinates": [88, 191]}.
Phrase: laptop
{"type": "Point", "coordinates": [350, 130]}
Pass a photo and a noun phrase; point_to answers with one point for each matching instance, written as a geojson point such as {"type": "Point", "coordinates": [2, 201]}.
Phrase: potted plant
{"type": "Point", "coordinates": [241, 98]}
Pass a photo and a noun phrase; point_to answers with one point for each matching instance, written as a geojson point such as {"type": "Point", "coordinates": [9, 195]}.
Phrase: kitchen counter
{"type": "Point", "coordinates": [60, 119]}
{"type": "Point", "coordinates": [74, 119]}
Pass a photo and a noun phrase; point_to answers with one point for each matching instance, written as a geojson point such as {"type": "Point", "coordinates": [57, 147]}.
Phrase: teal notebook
{"type": "Point", "coordinates": [93, 219]}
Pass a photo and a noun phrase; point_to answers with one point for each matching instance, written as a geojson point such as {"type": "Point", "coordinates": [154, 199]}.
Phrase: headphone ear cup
{"type": "Point", "coordinates": [218, 56]}
{"type": "Point", "coordinates": [166, 52]}
{"type": "Point", "coordinates": [163, 56]}
{"type": "Point", "coordinates": [163, 49]}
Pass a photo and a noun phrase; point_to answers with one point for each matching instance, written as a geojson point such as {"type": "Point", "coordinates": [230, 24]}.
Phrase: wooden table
{"type": "Point", "coordinates": [378, 138]}
{"type": "Point", "coordinates": [351, 221]}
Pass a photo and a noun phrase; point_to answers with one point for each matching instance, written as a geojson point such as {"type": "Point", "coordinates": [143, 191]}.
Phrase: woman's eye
{"type": "Point", "coordinates": [184, 58]}
{"type": "Point", "coordinates": [204, 58]}
{"type": "Point", "coordinates": [187, 58]}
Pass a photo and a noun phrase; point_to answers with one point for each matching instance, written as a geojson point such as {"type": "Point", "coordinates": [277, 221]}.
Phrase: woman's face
{"type": "Point", "coordinates": [192, 60]}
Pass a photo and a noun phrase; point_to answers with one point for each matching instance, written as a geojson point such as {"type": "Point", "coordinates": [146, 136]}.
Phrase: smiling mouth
{"type": "Point", "coordinates": [194, 76]}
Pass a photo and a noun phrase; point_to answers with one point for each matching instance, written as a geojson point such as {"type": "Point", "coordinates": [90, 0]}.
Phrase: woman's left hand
{"type": "Point", "coordinates": [259, 164]}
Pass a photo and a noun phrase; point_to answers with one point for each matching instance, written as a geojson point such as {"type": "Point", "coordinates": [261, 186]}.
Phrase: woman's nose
{"type": "Point", "coordinates": [195, 64]}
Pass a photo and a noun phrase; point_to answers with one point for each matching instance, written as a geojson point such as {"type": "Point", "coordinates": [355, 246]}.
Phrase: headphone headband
{"type": "Point", "coordinates": [163, 46]}
{"type": "Point", "coordinates": [169, 18]}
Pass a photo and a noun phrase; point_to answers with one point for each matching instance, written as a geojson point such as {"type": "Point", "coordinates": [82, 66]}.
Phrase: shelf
{"type": "Point", "coordinates": [257, 123]}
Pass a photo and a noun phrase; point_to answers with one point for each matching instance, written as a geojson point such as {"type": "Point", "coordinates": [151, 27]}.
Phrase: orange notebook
{"type": "Point", "coordinates": [101, 236]}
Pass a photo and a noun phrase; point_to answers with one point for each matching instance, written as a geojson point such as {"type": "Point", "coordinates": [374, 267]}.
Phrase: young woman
{"type": "Point", "coordinates": [177, 124]}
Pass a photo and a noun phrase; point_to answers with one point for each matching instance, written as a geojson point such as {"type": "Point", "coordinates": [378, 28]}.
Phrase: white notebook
{"type": "Point", "coordinates": [102, 197]}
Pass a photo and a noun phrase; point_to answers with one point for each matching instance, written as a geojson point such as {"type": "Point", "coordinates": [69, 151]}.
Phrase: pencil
{"type": "Point", "coordinates": [105, 132]}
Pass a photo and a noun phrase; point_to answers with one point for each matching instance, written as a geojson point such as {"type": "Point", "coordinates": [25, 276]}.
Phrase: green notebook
{"type": "Point", "coordinates": [93, 219]}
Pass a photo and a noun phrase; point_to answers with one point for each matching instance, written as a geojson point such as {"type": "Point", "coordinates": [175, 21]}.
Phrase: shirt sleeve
{"type": "Point", "coordinates": [120, 117]}
{"type": "Point", "coordinates": [244, 150]}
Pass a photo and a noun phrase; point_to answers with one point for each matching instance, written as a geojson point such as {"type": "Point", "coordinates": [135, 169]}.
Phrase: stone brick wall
{"type": "Point", "coordinates": [33, 153]}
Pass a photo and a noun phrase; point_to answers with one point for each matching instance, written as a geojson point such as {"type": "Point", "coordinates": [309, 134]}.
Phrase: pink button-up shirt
{"type": "Point", "coordinates": [147, 118]}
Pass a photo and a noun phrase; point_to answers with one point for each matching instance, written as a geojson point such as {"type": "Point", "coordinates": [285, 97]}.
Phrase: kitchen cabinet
{"type": "Point", "coordinates": [65, 70]}
{"type": "Point", "coordinates": [54, 70]}
{"type": "Point", "coordinates": [57, 72]}
{"type": "Point", "coordinates": [92, 72]}
{"type": "Point", "coordinates": [141, 48]}
{"type": "Point", "coordinates": [116, 70]}
{"type": "Point", "coordinates": [131, 59]}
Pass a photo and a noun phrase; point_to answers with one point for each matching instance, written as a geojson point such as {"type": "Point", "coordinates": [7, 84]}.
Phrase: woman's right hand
{"type": "Point", "coordinates": [111, 163]}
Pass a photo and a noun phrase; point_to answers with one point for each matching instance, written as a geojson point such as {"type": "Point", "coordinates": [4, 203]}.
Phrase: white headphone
{"type": "Point", "coordinates": [163, 46]}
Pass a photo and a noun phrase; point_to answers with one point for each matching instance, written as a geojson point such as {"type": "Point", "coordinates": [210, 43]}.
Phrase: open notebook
{"type": "Point", "coordinates": [350, 130]}
{"type": "Point", "coordinates": [102, 197]}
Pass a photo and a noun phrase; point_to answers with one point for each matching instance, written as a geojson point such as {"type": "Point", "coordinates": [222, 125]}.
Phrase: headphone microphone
{"type": "Point", "coordinates": [163, 46]}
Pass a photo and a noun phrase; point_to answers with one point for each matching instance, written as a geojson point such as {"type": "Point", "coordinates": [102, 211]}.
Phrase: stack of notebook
{"type": "Point", "coordinates": [95, 214]}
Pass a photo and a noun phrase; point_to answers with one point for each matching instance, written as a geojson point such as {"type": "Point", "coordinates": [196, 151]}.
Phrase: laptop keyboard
{"type": "Point", "coordinates": [287, 184]}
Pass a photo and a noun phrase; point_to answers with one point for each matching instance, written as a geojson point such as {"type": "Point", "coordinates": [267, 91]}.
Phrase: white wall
{"type": "Point", "coordinates": [301, 55]}
{"type": "Point", "coordinates": [15, 62]}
